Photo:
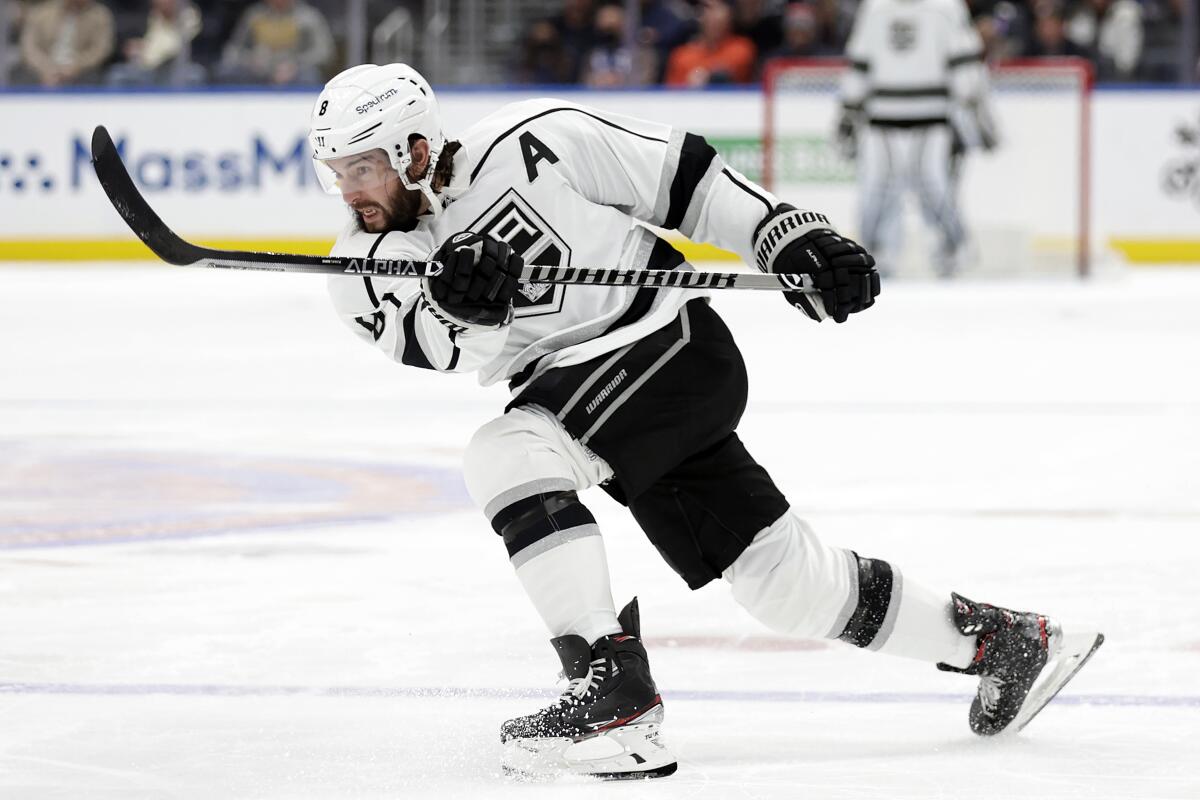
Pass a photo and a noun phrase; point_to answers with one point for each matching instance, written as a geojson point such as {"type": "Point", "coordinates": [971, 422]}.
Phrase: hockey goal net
{"type": "Point", "coordinates": [1025, 203]}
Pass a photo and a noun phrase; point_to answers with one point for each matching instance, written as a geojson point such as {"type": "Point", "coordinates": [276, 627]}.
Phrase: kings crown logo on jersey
{"type": "Point", "coordinates": [1181, 174]}
{"type": "Point", "coordinates": [903, 35]}
{"type": "Point", "coordinates": [512, 219]}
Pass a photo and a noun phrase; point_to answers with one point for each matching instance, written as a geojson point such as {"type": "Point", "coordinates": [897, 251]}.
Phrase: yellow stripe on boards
{"type": "Point", "coordinates": [134, 250]}
{"type": "Point", "coordinates": [696, 251]}
{"type": "Point", "coordinates": [1135, 251]}
{"type": "Point", "coordinates": [1158, 251]}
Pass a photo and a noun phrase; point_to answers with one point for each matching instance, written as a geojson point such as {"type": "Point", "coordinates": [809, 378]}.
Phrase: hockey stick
{"type": "Point", "coordinates": [168, 246]}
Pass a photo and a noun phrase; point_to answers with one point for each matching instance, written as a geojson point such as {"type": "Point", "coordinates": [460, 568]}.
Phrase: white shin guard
{"type": "Point", "coordinates": [924, 628]}
{"type": "Point", "coordinates": [523, 469]}
{"type": "Point", "coordinates": [792, 582]}
{"type": "Point", "coordinates": [796, 585]}
{"type": "Point", "coordinates": [569, 587]}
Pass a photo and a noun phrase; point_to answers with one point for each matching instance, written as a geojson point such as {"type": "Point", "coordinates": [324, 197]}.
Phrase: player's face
{"type": "Point", "coordinates": [373, 190]}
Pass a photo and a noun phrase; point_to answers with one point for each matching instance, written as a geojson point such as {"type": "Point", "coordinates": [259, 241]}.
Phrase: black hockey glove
{"type": "Point", "coordinates": [477, 282]}
{"type": "Point", "coordinates": [839, 274]}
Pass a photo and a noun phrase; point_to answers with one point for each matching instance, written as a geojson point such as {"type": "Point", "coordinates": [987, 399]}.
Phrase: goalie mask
{"type": "Point", "coordinates": [371, 107]}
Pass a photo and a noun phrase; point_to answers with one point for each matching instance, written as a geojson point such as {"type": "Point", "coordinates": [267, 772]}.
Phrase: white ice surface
{"type": "Point", "coordinates": [236, 560]}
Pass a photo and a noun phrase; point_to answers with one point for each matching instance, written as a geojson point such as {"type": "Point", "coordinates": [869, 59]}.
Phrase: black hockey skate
{"type": "Point", "coordinates": [1023, 660]}
{"type": "Point", "coordinates": [606, 722]}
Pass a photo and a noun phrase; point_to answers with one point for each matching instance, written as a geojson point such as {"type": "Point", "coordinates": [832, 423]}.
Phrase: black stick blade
{"type": "Point", "coordinates": [173, 249]}
{"type": "Point", "coordinates": [133, 208]}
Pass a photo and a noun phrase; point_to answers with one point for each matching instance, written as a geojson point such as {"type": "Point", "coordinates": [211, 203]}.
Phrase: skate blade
{"type": "Point", "coordinates": [1074, 652]}
{"type": "Point", "coordinates": [630, 752]}
{"type": "Point", "coordinates": [537, 777]}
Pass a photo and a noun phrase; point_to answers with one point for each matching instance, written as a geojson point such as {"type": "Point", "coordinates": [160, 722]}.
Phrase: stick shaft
{"type": "Point", "coordinates": [173, 249]}
{"type": "Point", "coordinates": [592, 276]}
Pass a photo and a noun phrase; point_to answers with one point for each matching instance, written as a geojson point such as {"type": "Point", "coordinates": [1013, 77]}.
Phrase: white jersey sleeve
{"type": "Point", "coordinates": [657, 174]}
{"type": "Point", "coordinates": [391, 315]}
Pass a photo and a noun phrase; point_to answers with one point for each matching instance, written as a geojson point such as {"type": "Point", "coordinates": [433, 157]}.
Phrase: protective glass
{"type": "Point", "coordinates": [358, 172]}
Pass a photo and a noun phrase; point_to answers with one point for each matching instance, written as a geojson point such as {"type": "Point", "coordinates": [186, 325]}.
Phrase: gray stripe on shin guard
{"type": "Point", "coordinates": [877, 603]}
{"type": "Point", "coordinates": [555, 539]}
{"type": "Point", "coordinates": [889, 621]}
{"type": "Point", "coordinates": [539, 486]}
{"type": "Point", "coordinates": [843, 617]}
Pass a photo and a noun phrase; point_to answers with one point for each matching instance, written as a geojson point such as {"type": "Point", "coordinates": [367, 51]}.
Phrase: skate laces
{"type": "Point", "coordinates": [990, 688]}
{"type": "Point", "coordinates": [579, 688]}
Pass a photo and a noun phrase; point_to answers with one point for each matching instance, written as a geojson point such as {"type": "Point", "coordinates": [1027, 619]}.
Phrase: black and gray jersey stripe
{"type": "Point", "coordinates": [690, 171]}
{"type": "Point", "coordinates": [686, 175]}
{"type": "Point", "coordinates": [660, 255]}
{"type": "Point", "coordinates": [376, 323]}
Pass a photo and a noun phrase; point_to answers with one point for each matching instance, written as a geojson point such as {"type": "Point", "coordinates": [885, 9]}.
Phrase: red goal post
{"type": "Point", "coordinates": [1027, 203]}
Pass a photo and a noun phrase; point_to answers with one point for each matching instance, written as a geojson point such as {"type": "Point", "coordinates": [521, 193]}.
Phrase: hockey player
{"type": "Point", "coordinates": [637, 390]}
{"type": "Point", "coordinates": [913, 99]}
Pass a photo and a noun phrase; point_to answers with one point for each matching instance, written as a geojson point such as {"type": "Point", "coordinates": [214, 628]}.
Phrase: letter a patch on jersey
{"type": "Point", "coordinates": [534, 150]}
{"type": "Point", "coordinates": [512, 219]}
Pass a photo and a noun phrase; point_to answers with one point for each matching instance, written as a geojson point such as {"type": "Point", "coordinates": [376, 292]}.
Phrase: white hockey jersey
{"type": "Point", "coordinates": [567, 185]}
{"type": "Point", "coordinates": [913, 61]}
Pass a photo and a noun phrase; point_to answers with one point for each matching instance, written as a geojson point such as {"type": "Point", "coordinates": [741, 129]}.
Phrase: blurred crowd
{"type": "Point", "coordinates": [170, 42]}
{"type": "Point", "coordinates": [589, 42]}
{"type": "Point", "coordinates": [711, 42]}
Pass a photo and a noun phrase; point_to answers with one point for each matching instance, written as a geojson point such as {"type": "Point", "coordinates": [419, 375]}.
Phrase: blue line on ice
{"type": "Point", "coordinates": [217, 690]}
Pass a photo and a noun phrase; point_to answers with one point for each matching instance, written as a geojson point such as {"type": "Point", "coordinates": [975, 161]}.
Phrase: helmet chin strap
{"type": "Point", "coordinates": [424, 183]}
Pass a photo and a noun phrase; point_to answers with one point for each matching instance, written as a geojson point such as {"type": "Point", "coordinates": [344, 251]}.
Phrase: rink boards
{"type": "Point", "coordinates": [251, 185]}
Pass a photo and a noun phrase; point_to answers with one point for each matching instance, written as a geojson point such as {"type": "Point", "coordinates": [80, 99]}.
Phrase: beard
{"type": "Point", "coordinates": [401, 215]}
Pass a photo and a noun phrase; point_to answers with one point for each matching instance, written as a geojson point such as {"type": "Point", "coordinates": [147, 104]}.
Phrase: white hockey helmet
{"type": "Point", "coordinates": [371, 107]}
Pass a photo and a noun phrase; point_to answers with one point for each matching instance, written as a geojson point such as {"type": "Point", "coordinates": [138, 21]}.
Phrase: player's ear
{"type": "Point", "coordinates": [419, 147]}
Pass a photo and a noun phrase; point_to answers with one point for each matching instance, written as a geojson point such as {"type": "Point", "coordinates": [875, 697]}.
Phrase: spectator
{"type": "Point", "coordinates": [1164, 38]}
{"type": "Point", "coordinates": [278, 42]}
{"type": "Point", "coordinates": [716, 55]}
{"type": "Point", "coordinates": [12, 51]}
{"type": "Point", "coordinates": [801, 34]}
{"type": "Point", "coordinates": [665, 24]}
{"type": "Point", "coordinates": [575, 30]}
{"type": "Point", "coordinates": [1003, 26]}
{"type": "Point", "coordinates": [394, 38]}
{"type": "Point", "coordinates": [65, 42]}
{"type": "Point", "coordinates": [161, 56]}
{"type": "Point", "coordinates": [834, 20]}
{"type": "Point", "coordinates": [1112, 31]}
{"type": "Point", "coordinates": [759, 21]}
{"type": "Point", "coordinates": [544, 59]}
{"type": "Point", "coordinates": [611, 61]}
{"type": "Point", "coordinates": [1049, 34]}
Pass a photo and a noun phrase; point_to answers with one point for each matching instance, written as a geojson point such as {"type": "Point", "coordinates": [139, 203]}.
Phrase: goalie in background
{"type": "Point", "coordinates": [914, 100]}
